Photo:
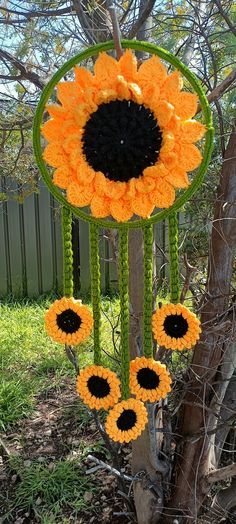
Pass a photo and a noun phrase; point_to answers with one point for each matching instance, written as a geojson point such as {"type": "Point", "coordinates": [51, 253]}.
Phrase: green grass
{"type": "Point", "coordinates": [49, 491]}
{"type": "Point", "coordinates": [30, 362]}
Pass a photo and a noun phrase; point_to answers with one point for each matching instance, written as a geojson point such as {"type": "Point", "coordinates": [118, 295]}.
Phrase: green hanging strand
{"type": "Point", "coordinates": [67, 252]}
{"type": "Point", "coordinates": [148, 294]}
{"type": "Point", "coordinates": [124, 310]}
{"type": "Point", "coordinates": [174, 258]}
{"type": "Point", "coordinates": [95, 290]}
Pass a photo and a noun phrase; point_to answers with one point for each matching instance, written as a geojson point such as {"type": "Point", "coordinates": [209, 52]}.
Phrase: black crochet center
{"type": "Point", "coordinates": [175, 326]}
{"type": "Point", "coordinates": [121, 139]}
{"type": "Point", "coordinates": [98, 386]}
{"type": "Point", "coordinates": [68, 321]}
{"type": "Point", "coordinates": [147, 378]}
{"type": "Point", "coordinates": [127, 420]}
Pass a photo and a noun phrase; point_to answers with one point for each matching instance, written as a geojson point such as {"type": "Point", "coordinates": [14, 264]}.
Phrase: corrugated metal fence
{"type": "Point", "coordinates": [31, 247]}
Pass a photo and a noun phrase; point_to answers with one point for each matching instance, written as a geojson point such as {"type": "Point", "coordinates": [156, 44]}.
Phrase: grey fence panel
{"type": "Point", "coordinates": [46, 240]}
{"type": "Point", "coordinates": [84, 256]}
{"type": "Point", "coordinates": [31, 251]}
{"type": "Point", "coordinates": [3, 255]}
{"type": "Point", "coordinates": [15, 244]}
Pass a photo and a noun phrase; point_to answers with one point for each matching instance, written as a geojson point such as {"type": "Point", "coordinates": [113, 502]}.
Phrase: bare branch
{"type": "Point", "coordinates": [221, 474]}
{"type": "Point", "coordinates": [25, 72]}
{"type": "Point", "coordinates": [142, 18]}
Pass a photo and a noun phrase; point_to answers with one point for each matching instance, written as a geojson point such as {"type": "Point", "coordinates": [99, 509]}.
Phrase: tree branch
{"type": "Point", "coordinates": [25, 73]}
{"type": "Point", "coordinates": [225, 16]}
{"type": "Point", "coordinates": [221, 474]}
{"type": "Point", "coordinates": [142, 18]}
{"type": "Point", "coordinates": [219, 90]}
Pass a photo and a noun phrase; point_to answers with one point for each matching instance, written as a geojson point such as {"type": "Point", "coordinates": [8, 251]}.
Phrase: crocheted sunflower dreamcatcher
{"type": "Point", "coordinates": [121, 142]}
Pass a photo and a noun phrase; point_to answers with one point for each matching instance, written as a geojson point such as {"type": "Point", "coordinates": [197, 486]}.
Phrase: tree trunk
{"type": "Point", "coordinates": [193, 453]}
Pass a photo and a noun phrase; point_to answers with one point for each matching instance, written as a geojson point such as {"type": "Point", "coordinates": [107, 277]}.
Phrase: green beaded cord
{"type": "Point", "coordinates": [174, 258]}
{"type": "Point", "coordinates": [67, 252]}
{"type": "Point", "coordinates": [95, 290]}
{"type": "Point", "coordinates": [148, 294]}
{"type": "Point", "coordinates": [124, 310]}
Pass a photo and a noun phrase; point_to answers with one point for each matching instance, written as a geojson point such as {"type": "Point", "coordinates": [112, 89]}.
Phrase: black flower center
{"type": "Point", "coordinates": [175, 326]}
{"type": "Point", "coordinates": [121, 139]}
{"type": "Point", "coordinates": [68, 321]}
{"type": "Point", "coordinates": [147, 378]}
{"type": "Point", "coordinates": [98, 386]}
{"type": "Point", "coordinates": [127, 420]}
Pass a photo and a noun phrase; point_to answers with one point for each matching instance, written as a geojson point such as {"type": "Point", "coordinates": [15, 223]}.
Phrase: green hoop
{"type": "Point", "coordinates": [138, 46]}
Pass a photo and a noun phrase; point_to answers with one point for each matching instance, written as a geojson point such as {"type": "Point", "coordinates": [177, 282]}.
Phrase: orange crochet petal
{"type": "Point", "coordinates": [83, 77]}
{"type": "Point", "coordinates": [152, 71]}
{"type": "Point", "coordinates": [56, 111]}
{"type": "Point", "coordinates": [106, 70]}
{"type": "Point", "coordinates": [54, 155]}
{"type": "Point", "coordinates": [100, 206]}
{"type": "Point", "coordinates": [170, 160]}
{"type": "Point", "coordinates": [163, 196]}
{"type": "Point", "coordinates": [157, 171]}
{"type": "Point", "coordinates": [178, 178]}
{"type": "Point", "coordinates": [142, 205]}
{"type": "Point", "coordinates": [172, 87]}
{"type": "Point", "coordinates": [192, 131]}
{"type": "Point", "coordinates": [136, 93]}
{"type": "Point", "coordinates": [79, 195]}
{"type": "Point", "coordinates": [163, 111]}
{"type": "Point", "coordinates": [145, 184]}
{"type": "Point", "coordinates": [61, 177]}
{"type": "Point", "coordinates": [120, 210]}
{"type": "Point", "coordinates": [186, 105]}
{"type": "Point", "coordinates": [100, 182]}
{"type": "Point", "coordinates": [128, 65]}
{"type": "Point", "coordinates": [72, 143]}
{"type": "Point", "coordinates": [85, 174]}
{"type": "Point", "coordinates": [51, 130]}
{"type": "Point", "coordinates": [122, 88]}
{"type": "Point", "coordinates": [115, 190]}
{"type": "Point", "coordinates": [189, 157]}
{"type": "Point", "coordinates": [168, 142]}
{"type": "Point", "coordinates": [105, 96]}
{"type": "Point", "coordinates": [69, 94]}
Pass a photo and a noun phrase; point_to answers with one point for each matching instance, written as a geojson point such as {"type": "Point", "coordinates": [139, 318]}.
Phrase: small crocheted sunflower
{"type": "Point", "coordinates": [126, 421]}
{"type": "Point", "coordinates": [67, 321]}
{"type": "Point", "coordinates": [98, 387]}
{"type": "Point", "coordinates": [122, 139]}
{"type": "Point", "coordinates": [149, 380]}
{"type": "Point", "coordinates": [175, 327]}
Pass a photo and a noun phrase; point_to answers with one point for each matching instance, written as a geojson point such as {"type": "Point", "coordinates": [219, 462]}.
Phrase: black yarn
{"type": "Point", "coordinates": [98, 386]}
{"type": "Point", "coordinates": [127, 420]}
{"type": "Point", "coordinates": [148, 378]}
{"type": "Point", "coordinates": [121, 139]}
{"type": "Point", "coordinates": [175, 326]}
{"type": "Point", "coordinates": [68, 321]}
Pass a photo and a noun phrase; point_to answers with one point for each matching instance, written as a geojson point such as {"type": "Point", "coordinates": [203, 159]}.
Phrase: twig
{"type": "Point", "coordinates": [116, 29]}
{"type": "Point", "coordinates": [109, 468]}
{"type": "Point", "coordinates": [72, 358]}
{"type": "Point", "coordinates": [5, 448]}
{"type": "Point", "coordinates": [221, 473]}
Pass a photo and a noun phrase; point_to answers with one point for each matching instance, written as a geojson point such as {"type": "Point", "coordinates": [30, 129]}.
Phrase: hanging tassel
{"type": "Point", "coordinates": [148, 294]}
{"type": "Point", "coordinates": [67, 252]}
{"type": "Point", "coordinates": [95, 290]}
{"type": "Point", "coordinates": [124, 310]}
{"type": "Point", "coordinates": [174, 258]}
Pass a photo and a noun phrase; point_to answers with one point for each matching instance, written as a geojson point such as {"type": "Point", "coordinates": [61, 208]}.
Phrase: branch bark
{"type": "Point", "coordinates": [221, 474]}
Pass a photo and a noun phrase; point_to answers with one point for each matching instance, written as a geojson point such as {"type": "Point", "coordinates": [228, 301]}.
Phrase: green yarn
{"type": "Point", "coordinates": [124, 310]}
{"type": "Point", "coordinates": [173, 231]}
{"type": "Point", "coordinates": [67, 252]}
{"type": "Point", "coordinates": [95, 290]}
{"type": "Point", "coordinates": [148, 294]}
{"type": "Point", "coordinates": [139, 46]}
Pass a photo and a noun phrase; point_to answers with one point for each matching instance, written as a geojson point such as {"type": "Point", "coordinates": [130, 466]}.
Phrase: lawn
{"type": "Point", "coordinates": [46, 432]}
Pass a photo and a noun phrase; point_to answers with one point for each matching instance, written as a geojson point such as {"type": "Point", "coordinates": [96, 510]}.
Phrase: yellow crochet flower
{"type": "Point", "coordinates": [98, 387]}
{"type": "Point", "coordinates": [149, 380]}
{"type": "Point", "coordinates": [126, 421]}
{"type": "Point", "coordinates": [122, 139]}
{"type": "Point", "coordinates": [175, 327]}
{"type": "Point", "coordinates": [67, 321]}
